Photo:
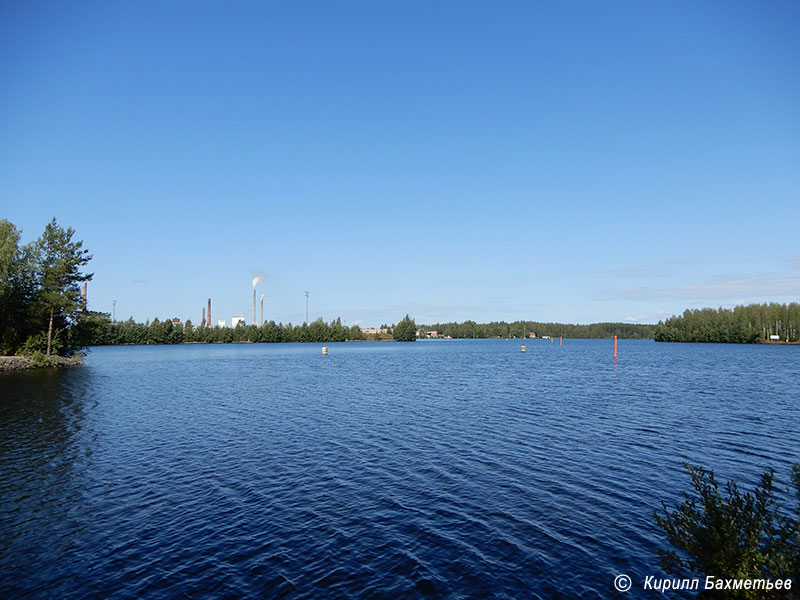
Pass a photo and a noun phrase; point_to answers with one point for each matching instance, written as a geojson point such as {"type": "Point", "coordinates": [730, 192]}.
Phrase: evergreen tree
{"type": "Point", "coordinates": [727, 533]}
{"type": "Point", "coordinates": [405, 330]}
{"type": "Point", "coordinates": [60, 261]}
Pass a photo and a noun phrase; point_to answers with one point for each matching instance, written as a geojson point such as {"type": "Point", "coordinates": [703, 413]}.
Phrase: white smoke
{"type": "Point", "coordinates": [257, 280]}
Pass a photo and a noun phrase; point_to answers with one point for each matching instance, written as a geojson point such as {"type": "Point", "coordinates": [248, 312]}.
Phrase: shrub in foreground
{"type": "Point", "coordinates": [727, 533]}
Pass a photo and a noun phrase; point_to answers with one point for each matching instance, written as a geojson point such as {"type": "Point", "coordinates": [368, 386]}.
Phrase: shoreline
{"type": "Point", "coordinates": [27, 363]}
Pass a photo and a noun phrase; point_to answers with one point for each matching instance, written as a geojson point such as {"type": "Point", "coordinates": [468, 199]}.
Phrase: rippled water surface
{"type": "Point", "coordinates": [453, 469]}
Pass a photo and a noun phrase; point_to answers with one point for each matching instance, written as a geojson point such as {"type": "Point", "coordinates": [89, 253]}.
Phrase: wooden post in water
{"type": "Point", "coordinates": [523, 348]}
{"type": "Point", "coordinates": [561, 340]}
{"type": "Point", "coordinates": [615, 347]}
{"type": "Point", "coordinates": [324, 351]}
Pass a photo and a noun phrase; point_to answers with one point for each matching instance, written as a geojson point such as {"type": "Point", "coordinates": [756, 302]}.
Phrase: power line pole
{"type": "Point", "coordinates": [306, 307]}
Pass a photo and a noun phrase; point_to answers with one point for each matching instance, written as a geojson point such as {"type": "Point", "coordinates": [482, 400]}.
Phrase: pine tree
{"type": "Point", "coordinates": [405, 330]}
{"type": "Point", "coordinates": [60, 263]}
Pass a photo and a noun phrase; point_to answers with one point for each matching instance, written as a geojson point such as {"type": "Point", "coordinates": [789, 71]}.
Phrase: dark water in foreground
{"type": "Point", "coordinates": [453, 469]}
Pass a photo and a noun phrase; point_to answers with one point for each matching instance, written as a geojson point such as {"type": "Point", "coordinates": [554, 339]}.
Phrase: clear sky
{"type": "Point", "coordinates": [561, 161]}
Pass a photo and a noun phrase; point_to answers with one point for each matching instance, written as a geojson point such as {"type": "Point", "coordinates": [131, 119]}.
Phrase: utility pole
{"type": "Point", "coordinates": [306, 307]}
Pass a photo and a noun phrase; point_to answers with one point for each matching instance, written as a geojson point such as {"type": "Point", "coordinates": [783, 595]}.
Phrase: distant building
{"type": "Point", "coordinates": [236, 320]}
{"type": "Point", "coordinates": [372, 332]}
{"type": "Point", "coordinates": [774, 337]}
{"type": "Point", "coordinates": [221, 323]}
{"type": "Point", "coordinates": [432, 334]}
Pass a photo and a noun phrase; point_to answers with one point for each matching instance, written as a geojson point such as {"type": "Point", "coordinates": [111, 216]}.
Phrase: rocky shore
{"type": "Point", "coordinates": [26, 363]}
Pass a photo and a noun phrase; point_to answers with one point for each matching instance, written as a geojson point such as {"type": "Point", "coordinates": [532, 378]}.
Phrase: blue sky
{"type": "Point", "coordinates": [564, 161]}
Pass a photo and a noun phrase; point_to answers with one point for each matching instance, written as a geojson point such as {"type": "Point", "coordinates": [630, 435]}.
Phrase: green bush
{"type": "Point", "coordinates": [41, 359]}
{"type": "Point", "coordinates": [38, 343]}
{"type": "Point", "coordinates": [731, 534]}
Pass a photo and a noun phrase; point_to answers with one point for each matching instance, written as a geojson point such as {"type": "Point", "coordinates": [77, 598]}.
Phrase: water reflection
{"type": "Point", "coordinates": [44, 451]}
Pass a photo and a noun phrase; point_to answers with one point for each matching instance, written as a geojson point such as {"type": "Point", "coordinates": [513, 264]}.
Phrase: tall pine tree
{"type": "Point", "coordinates": [60, 264]}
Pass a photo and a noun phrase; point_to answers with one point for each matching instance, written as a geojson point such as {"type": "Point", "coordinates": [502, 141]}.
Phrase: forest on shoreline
{"type": "Point", "coordinates": [43, 311]}
{"type": "Point", "coordinates": [525, 329]}
{"type": "Point", "coordinates": [171, 332]}
{"type": "Point", "coordinates": [751, 324]}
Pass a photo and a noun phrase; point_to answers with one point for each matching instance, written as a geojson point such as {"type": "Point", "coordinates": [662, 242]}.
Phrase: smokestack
{"type": "Point", "coordinates": [204, 316]}
{"type": "Point", "coordinates": [256, 281]}
{"type": "Point", "coordinates": [262, 311]}
{"type": "Point", "coordinates": [209, 312]}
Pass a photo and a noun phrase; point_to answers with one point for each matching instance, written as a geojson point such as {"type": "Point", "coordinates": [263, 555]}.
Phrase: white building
{"type": "Point", "coordinates": [221, 323]}
{"type": "Point", "coordinates": [236, 320]}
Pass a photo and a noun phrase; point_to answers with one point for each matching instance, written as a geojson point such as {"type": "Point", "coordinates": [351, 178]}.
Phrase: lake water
{"type": "Point", "coordinates": [452, 469]}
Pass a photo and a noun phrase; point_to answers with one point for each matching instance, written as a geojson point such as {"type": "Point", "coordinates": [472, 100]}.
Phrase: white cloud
{"type": "Point", "coordinates": [632, 272]}
{"type": "Point", "coordinates": [741, 288]}
{"type": "Point", "coordinates": [646, 318]}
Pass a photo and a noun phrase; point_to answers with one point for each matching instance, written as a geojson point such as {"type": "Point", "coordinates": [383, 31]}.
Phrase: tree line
{"type": "Point", "coordinates": [170, 332]}
{"type": "Point", "coordinates": [174, 332]}
{"type": "Point", "coordinates": [523, 329]}
{"type": "Point", "coordinates": [749, 324]}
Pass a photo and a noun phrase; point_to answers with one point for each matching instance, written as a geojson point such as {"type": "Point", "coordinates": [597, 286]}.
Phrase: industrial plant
{"type": "Point", "coordinates": [237, 319]}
